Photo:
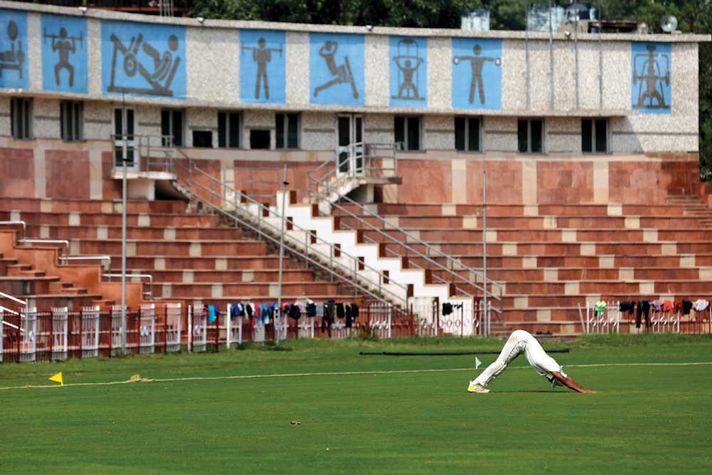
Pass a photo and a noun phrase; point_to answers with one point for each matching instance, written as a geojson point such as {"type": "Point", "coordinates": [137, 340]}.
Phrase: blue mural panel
{"type": "Point", "coordinates": [476, 73]}
{"type": "Point", "coordinates": [409, 71]}
{"type": "Point", "coordinates": [13, 49]}
{"type": "Point", "coordinates": [262, 66]}
{"type": "Point", "coordinates": [651, 92]}
{"type": "Point", "coordinates": [143, 59]}
{"type": "Point", "coordinates": [64, 54]}
{"type": "Point", "coordinates": [336, 69]}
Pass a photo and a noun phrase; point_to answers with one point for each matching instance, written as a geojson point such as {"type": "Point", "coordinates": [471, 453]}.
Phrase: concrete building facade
{"type": "Point", "coordinates": [576, 118]}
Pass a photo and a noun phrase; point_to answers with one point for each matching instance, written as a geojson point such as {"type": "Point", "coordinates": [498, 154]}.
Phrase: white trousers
{"type": "Point", "coordinates": [519, 342]}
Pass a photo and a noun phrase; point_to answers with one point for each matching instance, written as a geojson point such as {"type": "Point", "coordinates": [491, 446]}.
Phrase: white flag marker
{"type": "Point", "coordinates": [477, 362]}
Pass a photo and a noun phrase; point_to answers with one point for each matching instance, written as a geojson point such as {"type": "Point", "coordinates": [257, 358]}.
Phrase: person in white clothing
{"type": "Point", "coordinates": [520, 342]}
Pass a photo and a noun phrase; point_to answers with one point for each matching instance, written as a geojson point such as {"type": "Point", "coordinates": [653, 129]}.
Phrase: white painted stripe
{"type": "Point", "coordinates": [334, 373]}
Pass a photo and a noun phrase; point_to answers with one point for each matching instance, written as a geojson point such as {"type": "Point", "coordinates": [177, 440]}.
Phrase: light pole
{"type": "Point", "coordinates": [285, 183]}
{"type": "Point", "coordinates": [484, 254]}
{"type": "Point", "coordinates": [124, 202]}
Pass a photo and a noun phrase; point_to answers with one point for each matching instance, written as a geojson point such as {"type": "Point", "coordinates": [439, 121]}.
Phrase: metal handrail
{"type": "Point", "coordinates": [101, 258]}
{"type": "Point", "coordinates": [63, 242]}
{"type": "Point", "coordinates": [348, 275]}
{"type": "Point", "coordinates": [320, 180]}
{"type": "Point", "coordinates": [146, 144]}
{"type": "Point", "coordinates": [14, 299]}
{"type": "Point", "coordinates": [430, 249]}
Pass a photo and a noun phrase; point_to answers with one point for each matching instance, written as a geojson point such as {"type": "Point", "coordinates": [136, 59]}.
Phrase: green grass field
{"type": "Point", "coordinates": [232, 412]}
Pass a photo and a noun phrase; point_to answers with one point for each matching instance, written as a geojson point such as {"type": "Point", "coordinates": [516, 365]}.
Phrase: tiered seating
{"type": "Point", "coordinates": [191, 257]}
{"type": "Point", "coordinates": [552, 258]}
{"type": "Point", "coordinates": [55, 286]}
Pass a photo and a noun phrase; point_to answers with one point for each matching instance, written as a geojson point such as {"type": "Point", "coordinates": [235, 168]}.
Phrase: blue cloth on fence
{"type": "Point", "coordinates": [212, 314]}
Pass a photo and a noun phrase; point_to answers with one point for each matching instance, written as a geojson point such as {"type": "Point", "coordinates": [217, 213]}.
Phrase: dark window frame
{"type": "Point", "coordinates": [229, 129]}
{"type": "Point", "coordinates": [287, 130]}
{"type": "Point", "coordinates": [464, 136]}
{"type": "Point", "coordinates": [594, 135]}
{"type": "Point", "coordinates": [21, 118]}
{"type": "Point", "coordinates": [71, 121]}
{"type": "Point", "coordinates": [173, 126]}
{"type": "Point", "coordinates": [525, 138]}
{"type": "Point", "coordinates": [403, 126]}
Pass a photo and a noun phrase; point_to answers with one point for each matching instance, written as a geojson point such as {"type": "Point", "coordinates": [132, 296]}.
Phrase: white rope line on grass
{"type": "Point", "coordinates": [134, 379]}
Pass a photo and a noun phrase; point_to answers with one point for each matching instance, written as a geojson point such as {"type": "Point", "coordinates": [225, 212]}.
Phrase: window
{"type": "Point", "coordinates": [287, 130]}
{"type": "Point", "coordinates": [530, 135]}
{"type": "Point", "coordinates": [124, 117]}
{"type": "Point", "coordinates": [594, 135]}
{"type": "Point", "coordinates": [71, 118]}
{"type": "Point", "coordinates": [202, 139]}
{"type": "Point", "coordinates": [467, 134]}
{"type": "Point", "coordinates": [259, 139]}
{"type": "Point", "coordinates": [229, 129]}
{"type": "Point", "coordinates": [21, 118]}
{"type": "Point", "coordinates": [407, 132]}
{"type": "Point", "coordinates": [172, 127]}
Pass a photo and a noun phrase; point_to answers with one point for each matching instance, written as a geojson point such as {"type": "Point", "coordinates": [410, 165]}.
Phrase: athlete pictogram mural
{"type": "Point", "coordinates": [64, 53]}
{"type": "Point", "coordinates": [262, 60]}
{"type": "Point", "coordinates": [476, 73]}
{"type": "Point", "coordinates": [13, 49]}
{"type": "Point", "coordinates": [143, 59]}
{"type": "Point", "coordinates": [409, 71]}
{"type": "Point", "coordinates": [336, 69]}
{"type": "Point", "coordinates": [652, 75]}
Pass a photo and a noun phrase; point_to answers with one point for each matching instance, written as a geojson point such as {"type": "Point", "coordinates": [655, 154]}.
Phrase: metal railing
{"type": "Point", "coordinates": [430, 255]}
{"type": "Point", "coordinates": [348, 269]}
{"type": "Point", "coordinates": [156, 153]}
{"type": "Point", "coordinates": [101, 258]}
{"type": "Point", "coordinates": [357, 160]}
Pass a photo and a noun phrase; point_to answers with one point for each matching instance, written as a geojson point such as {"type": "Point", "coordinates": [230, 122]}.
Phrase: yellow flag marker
{"type": "Point", "coordinates": [57, 378]}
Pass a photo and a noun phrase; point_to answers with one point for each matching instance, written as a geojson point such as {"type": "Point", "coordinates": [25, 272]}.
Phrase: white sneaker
{"type": "Point", "coordinates": [477, 388]}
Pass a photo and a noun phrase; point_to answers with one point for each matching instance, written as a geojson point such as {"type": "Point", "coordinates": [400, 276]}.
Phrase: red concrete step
{"type": "Point", "coordinates": [173, 248]}
{"type": "Point", "coordinates": [549, 235]}
{"type": "Point", "coordinates": [556, 248]}
{"type": "Point", "coordinates": [205, 263]}
{"type": "Point", "coordinates": [595, 287]}
{"type": "Point", "coordinates": [242, 290]}
{"type": "Point", "coordinates": [91, 206]}
{"type": "Point", "coordinates": [511, 210]}
{"type": "Point", "coordinates": [73, 301]}
{"type": "Point", "coordinates": [102, 219]}
{"type": "Point", "coordinates": [563, 261]}
{"type": "Point", "coordinates": [133, 232]}
{"type": "Point", "coordinates": [234, 276]}
{"type": "Point", "coordinates": [528, 222]}
{"type": "Point", "coordinates": [258, 299]}
{"type": "Point", "coordinates": [20, 286]}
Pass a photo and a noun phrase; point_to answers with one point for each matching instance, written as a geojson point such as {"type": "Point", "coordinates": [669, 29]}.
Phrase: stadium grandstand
{"type": "Point", "coordinates": [170, 181]}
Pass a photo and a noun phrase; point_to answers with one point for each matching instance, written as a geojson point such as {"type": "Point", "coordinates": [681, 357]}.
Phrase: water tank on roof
{"type": "Point", "coordinates": [581, 11]}
{"type": "Point", "coordinates": [477, 19]}
{"type": "Point", "coordinates": [544, 17]}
